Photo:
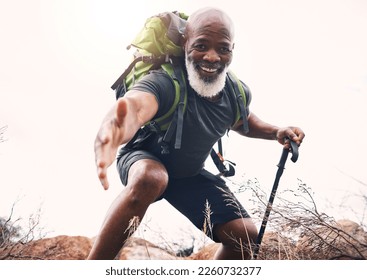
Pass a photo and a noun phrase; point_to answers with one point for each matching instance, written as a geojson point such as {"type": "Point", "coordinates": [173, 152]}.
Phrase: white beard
{"type": "Point", "coordinates": [205, 88]}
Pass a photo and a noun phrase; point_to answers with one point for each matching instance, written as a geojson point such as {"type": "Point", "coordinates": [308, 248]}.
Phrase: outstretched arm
{"type": "Point", "coordinates": [119, 126]}
{"type": "Point", "coordinates": [260, 129]}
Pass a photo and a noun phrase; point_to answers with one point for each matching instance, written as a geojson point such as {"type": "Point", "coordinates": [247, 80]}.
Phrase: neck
{"type": "Point", "coordinates": [212, 98]}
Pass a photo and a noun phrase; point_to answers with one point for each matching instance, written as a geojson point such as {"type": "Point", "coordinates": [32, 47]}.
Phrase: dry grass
{"type": "Point", "coordinates": [300, 231]}
{"type": "Point", "coordinates": [296, 230]}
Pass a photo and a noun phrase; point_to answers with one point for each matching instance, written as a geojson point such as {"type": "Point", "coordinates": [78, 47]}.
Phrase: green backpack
{"type": "Point", "coordinates": [158, 45]}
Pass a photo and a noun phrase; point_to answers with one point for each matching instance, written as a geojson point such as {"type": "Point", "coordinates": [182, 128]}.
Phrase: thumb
{"type": "Point", "coordinates": [121, 110]}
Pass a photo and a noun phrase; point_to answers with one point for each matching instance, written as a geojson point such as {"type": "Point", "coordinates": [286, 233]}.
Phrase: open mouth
{"type": "Point", "coordinates": [208, 70]}
{"type": "Point", "coordinates": [205, 72]}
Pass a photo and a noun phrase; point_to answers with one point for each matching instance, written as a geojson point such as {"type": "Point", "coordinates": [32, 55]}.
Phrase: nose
{"type": "Point", "coordinates": [211, 56]}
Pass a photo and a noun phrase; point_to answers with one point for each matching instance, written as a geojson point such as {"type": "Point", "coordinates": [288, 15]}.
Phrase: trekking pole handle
{"type": "Point", "coordinates": [294, 150]}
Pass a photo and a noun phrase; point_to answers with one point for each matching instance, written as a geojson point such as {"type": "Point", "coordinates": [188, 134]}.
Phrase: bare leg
{"type": "Point", "coordinates": [147, 181]}
{"type": "Point", "coordinates": [237, 237]}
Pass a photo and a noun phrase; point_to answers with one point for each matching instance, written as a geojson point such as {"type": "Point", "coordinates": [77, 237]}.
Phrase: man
{"type": "Point", "coordinates": [179, 177]}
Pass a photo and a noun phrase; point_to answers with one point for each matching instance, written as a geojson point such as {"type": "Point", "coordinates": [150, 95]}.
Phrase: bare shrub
{"type": "Point", "coordinates": [2, 133]}
{"type": "Point", "coordinates": [300, 231]}
{"type": "Point", "coordinates": [12, 233]}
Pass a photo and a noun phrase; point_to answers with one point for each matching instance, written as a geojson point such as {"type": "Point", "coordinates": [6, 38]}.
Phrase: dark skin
{"type": "Point", "coordinates": [208, 43]}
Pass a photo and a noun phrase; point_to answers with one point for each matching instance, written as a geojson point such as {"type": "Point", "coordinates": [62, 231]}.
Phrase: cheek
{"type": "Point", "coordinates": [192, 56]}
{"type": "Point", "coordinates": [228, 59]}
{"type": "Point", "coordinates": [189, 57]}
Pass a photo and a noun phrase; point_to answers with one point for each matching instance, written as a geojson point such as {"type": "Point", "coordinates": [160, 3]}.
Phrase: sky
{"type": "Point", "coordinates": [304, 61]}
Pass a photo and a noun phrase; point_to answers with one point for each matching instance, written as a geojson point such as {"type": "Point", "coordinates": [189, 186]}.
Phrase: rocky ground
{"type": "Point", "coordinates": [345, 240]}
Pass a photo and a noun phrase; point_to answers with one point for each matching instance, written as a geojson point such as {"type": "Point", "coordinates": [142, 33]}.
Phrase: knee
{"type": "Point", "coordinates": [251, 232]}
{"type": "Point", "coordinates": [240, 230]}
{"type": "Point", "coordinates": [238, 238]}
{"type": "Point", "coordinates": [148, 178]}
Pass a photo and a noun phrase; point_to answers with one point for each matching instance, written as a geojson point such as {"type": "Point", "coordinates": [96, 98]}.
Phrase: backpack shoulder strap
{"type": "Point", "coordinates": [177, 74]}
{"type": "Point", "coordinates": [164, 121]}
{"type": "Point", "coordinates": [172, 120]}
{"type": "Point", "coordinates": [240, 93]}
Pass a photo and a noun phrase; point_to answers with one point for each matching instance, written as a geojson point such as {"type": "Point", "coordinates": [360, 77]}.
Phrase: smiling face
{"type": "Point", "coordinates": [208, 50]}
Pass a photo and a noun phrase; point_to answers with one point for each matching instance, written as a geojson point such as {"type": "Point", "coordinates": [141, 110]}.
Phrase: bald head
{"type": "Point", "coordinates": [205, 18]}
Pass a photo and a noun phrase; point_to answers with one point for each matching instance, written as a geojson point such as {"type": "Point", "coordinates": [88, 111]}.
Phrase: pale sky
{"type": "Point", "coordinates": [305, 62]}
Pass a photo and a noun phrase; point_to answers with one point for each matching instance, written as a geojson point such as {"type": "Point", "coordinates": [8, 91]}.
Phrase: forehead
{"type": "Point", "coordinates": [211, 31]}
{"type": "Point", "coordinates": [214, 29]}
{"type": "Point", "coordinates": [210, 24]}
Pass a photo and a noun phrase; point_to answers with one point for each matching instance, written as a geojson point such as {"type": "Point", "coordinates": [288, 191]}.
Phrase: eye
{"type": "Point", "coordinates": [225, 50]}
{"type": "Point", "coordinates": [200, 47]}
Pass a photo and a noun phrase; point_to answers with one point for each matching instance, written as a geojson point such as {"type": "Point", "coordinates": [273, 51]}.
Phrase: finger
{"type": "Point", "coordinates": [297, 139]}
{"type": "Point", "coordinates": [103, 137]}
{"type": "Point", "coordinates": [102, 175]}
{"type": "Point", "coordinates": [105, 184]}
{"type": "Point", "coordinates": [293, 134]}
{"type": "Point", "coordinates": [301, 135]}
{"type": "Point", "coordinates": [101, 148]}
{"type": "Point", "coordinates": [102, 156]}
{"type": "Point", "coordinates": [286, 143]}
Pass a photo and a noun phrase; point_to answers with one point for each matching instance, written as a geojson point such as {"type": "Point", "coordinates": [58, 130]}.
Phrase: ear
{"type": "Point", "coordinates": [232, 46]}
{"type": "Point", "coordinates": [183, 41]}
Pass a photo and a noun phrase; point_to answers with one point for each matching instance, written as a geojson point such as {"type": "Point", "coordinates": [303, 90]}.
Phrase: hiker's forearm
{"type": "Point", "coordinates": [122, 120]}
{"type": "Point", "coordinates": [259, 129]}
{"type": "Point", "coordinates": [130, 113]}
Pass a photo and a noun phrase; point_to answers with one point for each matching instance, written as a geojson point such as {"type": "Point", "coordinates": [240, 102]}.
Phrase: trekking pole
{"type": "Point", "coordinates": [281, 164]}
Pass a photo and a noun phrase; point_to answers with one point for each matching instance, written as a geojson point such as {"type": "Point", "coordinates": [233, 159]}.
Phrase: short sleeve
{"type": "Point", "coordinates": [161, 86]}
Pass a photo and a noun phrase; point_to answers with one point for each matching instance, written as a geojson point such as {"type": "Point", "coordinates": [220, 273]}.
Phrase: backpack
{"type": "Point", "coordinates": [158, 46]}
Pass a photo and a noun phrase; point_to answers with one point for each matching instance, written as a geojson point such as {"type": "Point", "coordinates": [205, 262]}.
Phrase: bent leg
{"type": "Point", "coordinates": [205, 200]}
{"type": "Point", "coordinates": [238, 238]}
{"type": "Point", "coordinates": [147, 181]}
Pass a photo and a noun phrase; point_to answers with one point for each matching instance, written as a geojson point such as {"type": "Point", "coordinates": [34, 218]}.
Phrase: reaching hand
{"type": "Point", "coordinates": [120, 125]}
{"type": "Point", "coordinates": [109, 138]}
{"type": "Point", "coordinates": [293, 133]}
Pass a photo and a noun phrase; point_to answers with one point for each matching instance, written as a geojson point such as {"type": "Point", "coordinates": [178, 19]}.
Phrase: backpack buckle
{"type": "Point", "coordinates": [153, 126]}
{"type": "Point", "coordinates": [165, 148]}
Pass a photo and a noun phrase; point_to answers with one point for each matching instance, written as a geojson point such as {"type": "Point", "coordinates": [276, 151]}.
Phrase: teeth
{"type": "Point", "coordinates": [210, 70]}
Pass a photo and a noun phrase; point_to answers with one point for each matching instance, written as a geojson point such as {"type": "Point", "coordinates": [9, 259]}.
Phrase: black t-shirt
{"type": "Point", "coordinates": [205, 122]}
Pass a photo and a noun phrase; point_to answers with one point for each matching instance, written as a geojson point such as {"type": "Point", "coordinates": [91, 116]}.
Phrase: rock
{"type": "Point", "coordinates": [344, 240]}
{"type": "Point", "coordinates": [78, 247]}
{"type": "Point", "coordinates": [140, 249]}
{"type": "Point", "coordinates": [274, 246]}
{"type": "Point", "coordinates": [56, 248]}
{"type": "Point", "coordinates": [205, 253]}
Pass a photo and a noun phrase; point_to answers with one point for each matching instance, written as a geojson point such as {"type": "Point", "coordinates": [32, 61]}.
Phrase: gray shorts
{"type": "Point", "coordinates": [204, 198]}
